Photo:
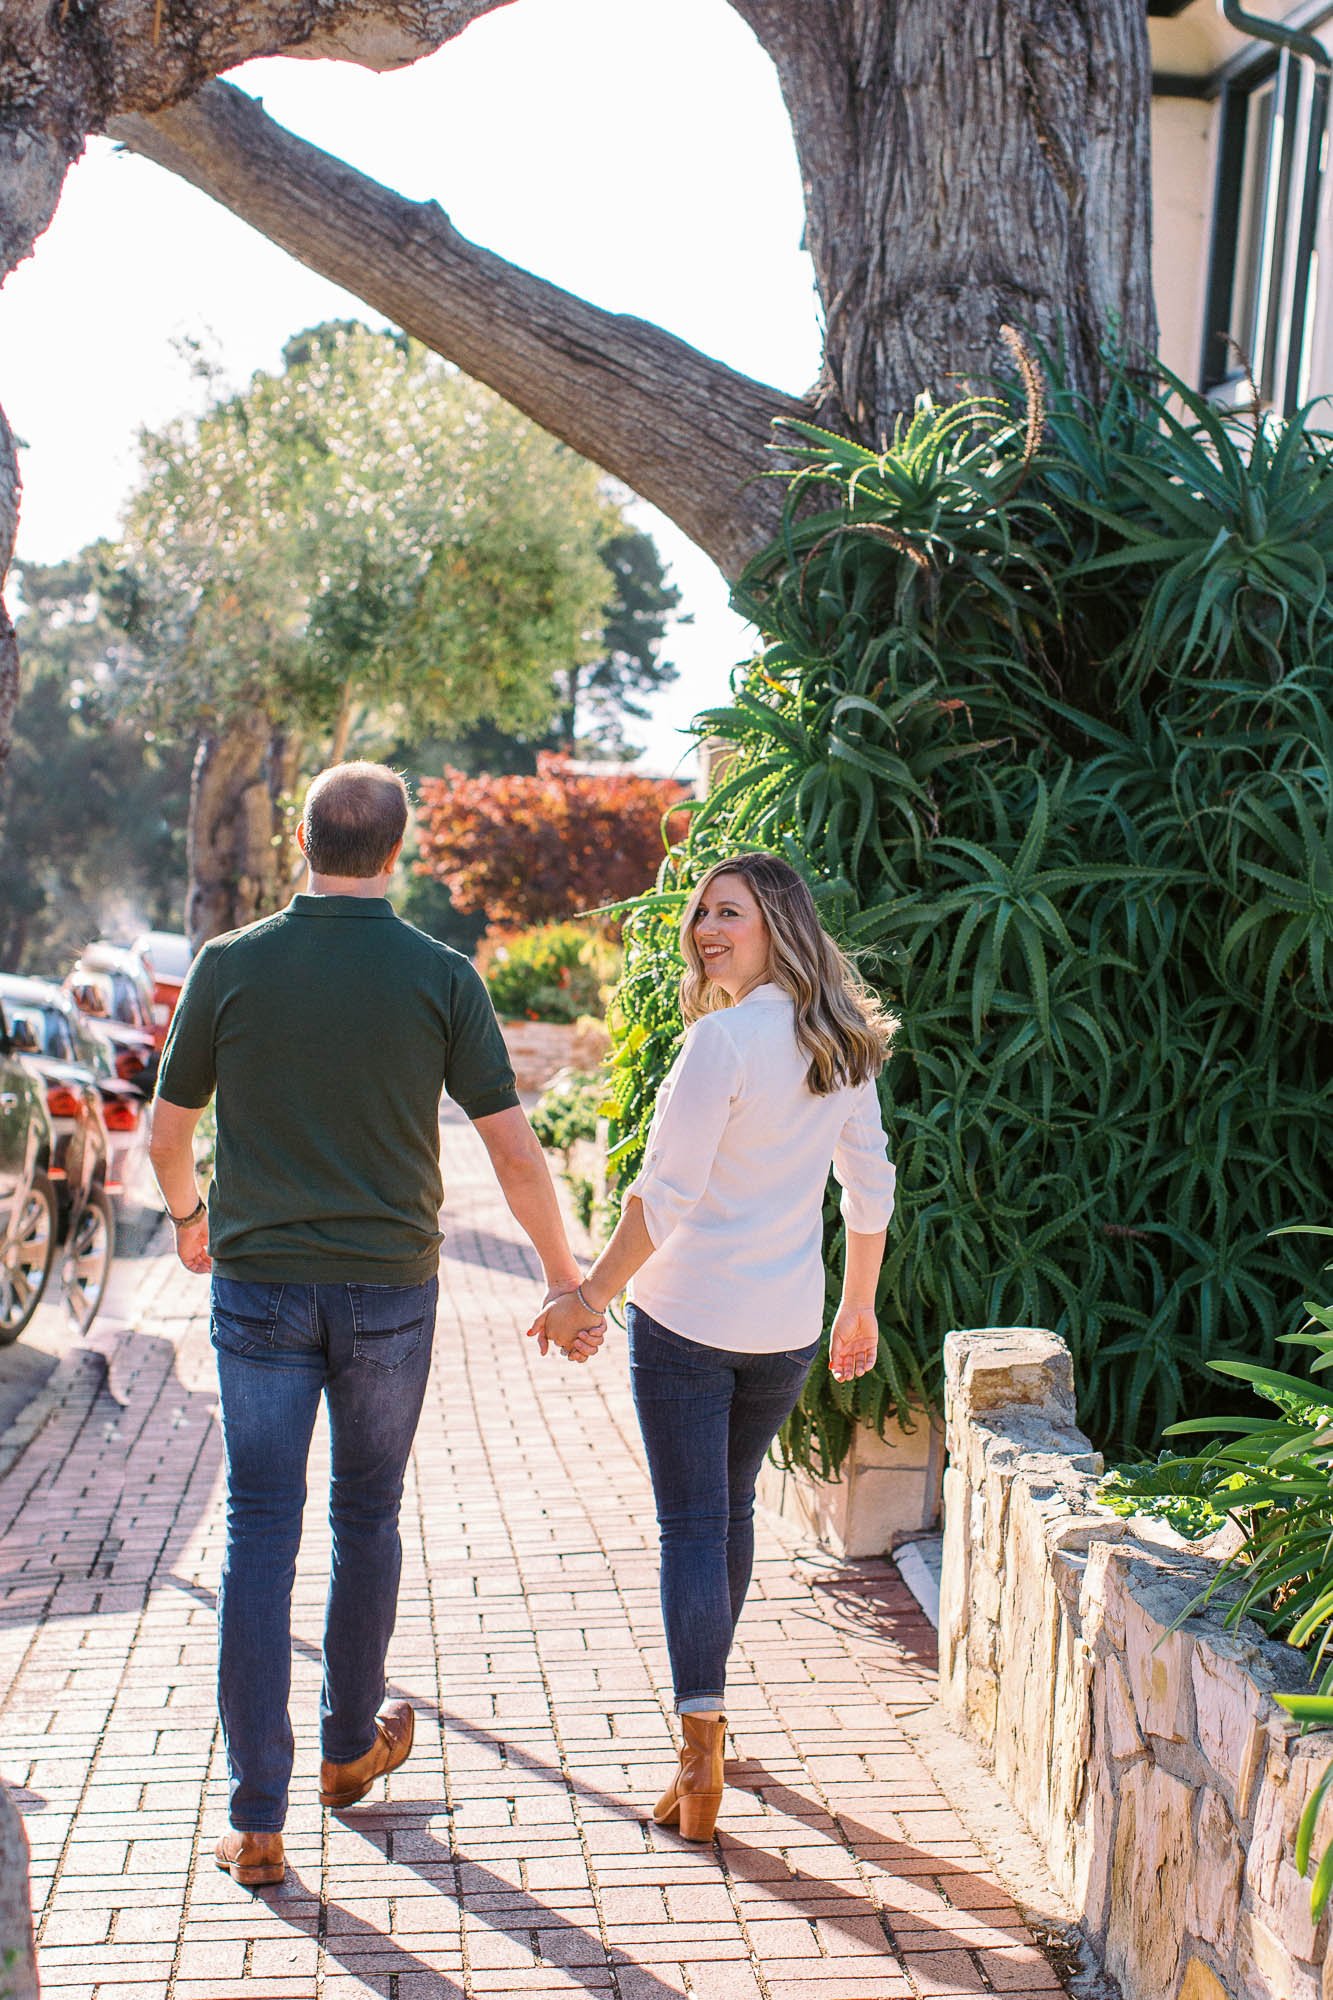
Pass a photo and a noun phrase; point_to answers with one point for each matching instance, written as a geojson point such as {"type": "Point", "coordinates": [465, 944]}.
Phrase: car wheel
{"type": "Point", "coordinates": [25, 1264]}
{"type": "Point", "coordinates": [87, 1261]}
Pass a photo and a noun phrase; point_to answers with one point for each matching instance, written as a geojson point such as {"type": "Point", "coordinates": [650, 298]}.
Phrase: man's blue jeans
{"type": "Point", "coordinates": [279, 1348]}
{"type": "Point", "coordinates": [708, 1416]}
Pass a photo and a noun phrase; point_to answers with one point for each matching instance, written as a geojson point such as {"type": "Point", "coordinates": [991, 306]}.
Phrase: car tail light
{"type": "Point", "coordinates": [128, 1065]}
{"type": "Point", "coordinates": [62, 1102]}
{"type": "Point", "coordinates": [120, 1116]}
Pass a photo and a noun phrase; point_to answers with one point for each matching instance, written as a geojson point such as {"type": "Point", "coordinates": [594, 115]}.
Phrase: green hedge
{"type": "Point", "coordinates": [1043, 713]}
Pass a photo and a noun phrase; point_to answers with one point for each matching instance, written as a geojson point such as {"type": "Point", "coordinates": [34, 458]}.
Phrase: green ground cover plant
{"type": "Point", "coordinates": [1043, 713]}
{"type": "Point", "coordinates": [569, 1108]}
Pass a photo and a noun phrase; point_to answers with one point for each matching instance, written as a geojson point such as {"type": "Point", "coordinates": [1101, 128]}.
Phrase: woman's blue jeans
{"type": "Point", "coordinates": [708, 1416]}
{"type": "Point", "coordinates": [279, 1349]}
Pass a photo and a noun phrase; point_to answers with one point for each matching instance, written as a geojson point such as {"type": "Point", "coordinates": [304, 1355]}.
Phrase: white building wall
{"type": "Point", "coordinates": [1182, 183]}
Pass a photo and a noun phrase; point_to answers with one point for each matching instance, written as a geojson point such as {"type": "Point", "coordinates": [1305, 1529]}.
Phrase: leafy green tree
{"type": "Point", "coordinates": [365, 533]}
{"type": "Point", "coordinates": [597, 697]}
{"type": "Point", "coordinates": [92, 808]}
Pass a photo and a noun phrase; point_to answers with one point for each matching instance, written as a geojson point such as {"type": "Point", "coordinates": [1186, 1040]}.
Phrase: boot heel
{"type": "Point", "coordinates": [698, 1814]}
{"type": "Point", "coordinates": [666, 1815]}
{"type": "Point", "coordinates": [262, 1876]}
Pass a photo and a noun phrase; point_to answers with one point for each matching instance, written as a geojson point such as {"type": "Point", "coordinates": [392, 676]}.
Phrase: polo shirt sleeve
{"type": "Point", "coordinates": [187, 1075]}
{"type": "Point", "coordinates": [691, 1114]}
{"type": "Point", "coordinates": [477, 1073]}
{"type": "Point", "coordinates": [862, 1167]}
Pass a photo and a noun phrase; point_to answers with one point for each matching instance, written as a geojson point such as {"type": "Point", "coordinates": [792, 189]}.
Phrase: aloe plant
{"type": "Point", "coordinates": [1044, 717]}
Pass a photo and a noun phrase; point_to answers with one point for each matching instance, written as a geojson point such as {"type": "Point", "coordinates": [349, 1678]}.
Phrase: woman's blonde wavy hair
{"type": "Point", "coordinates": [840, 1024]}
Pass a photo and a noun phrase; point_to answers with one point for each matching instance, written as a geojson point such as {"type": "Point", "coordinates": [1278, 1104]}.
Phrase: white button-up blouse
{"type": "Point", "coordinates": [733, 1179]}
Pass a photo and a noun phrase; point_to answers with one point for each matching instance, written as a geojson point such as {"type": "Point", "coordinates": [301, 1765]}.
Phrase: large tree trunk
{"type": "Point", "coordinates": [9, 521]}
{"type": "Point", "coordinates": [235, 828]}
{"type": "Point", "coordinates": [966, 167]}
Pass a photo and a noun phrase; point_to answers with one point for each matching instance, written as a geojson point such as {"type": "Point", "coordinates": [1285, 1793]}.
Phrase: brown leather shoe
{"type": "Point", "coordinates": [252, 1859]}
{"type": "Point", "coordinates": [343, 1784]}
{"type": "Point", "coordinates": [694, 1795]}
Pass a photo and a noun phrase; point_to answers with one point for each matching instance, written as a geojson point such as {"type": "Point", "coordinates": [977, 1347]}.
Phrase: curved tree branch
{"type": "Point", "coordinates": [682, 429]}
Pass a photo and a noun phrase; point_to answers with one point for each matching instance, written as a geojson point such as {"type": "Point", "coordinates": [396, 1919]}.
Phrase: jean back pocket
{"type": "Point", "coordinates": [389, 1322]}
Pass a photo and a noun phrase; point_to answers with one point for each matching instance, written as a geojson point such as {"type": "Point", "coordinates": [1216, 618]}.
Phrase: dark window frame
{"type": "Point", "coordinates": [1220, 366]}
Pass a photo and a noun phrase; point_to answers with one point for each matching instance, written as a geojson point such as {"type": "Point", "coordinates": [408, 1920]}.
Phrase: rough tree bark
{"type": "Point", "coordinates": [964, 167]}
{"type": "Point", "coordinates": [237, 867]}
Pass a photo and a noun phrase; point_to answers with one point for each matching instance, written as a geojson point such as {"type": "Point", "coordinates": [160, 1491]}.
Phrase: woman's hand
{"type": "Point", "coordinates": [574, 1328]}
{"type": "Point", "coordinates": [854, 1343]}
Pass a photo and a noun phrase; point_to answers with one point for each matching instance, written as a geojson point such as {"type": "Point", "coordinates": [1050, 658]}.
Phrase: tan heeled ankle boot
{"type": "Point", "coordinates": [692, 1798]}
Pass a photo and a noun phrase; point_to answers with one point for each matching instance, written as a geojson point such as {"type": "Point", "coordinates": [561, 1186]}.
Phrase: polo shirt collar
{"type": "Point", "coordinates": [304, 905]}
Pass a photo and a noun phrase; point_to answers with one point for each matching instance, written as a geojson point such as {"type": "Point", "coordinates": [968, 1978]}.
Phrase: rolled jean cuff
{"type": "Point", "coordinates": [695, 1704]}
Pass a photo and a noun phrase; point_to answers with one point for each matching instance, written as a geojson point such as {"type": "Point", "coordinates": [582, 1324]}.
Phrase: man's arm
{"type": "Point", "coordinates": [525, 1181]}
{"type": "Point", "coordinates": [171, 1150]}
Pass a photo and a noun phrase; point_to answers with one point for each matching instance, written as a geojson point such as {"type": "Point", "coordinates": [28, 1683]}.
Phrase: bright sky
{"type": "Point", "coordinates": [639, 155]}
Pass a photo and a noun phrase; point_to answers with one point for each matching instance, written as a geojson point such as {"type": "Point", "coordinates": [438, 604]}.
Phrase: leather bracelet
{"type": "Point", "coordinates": [599, 1310]}
{"type": "Point", "coordinates": [200, 1208]}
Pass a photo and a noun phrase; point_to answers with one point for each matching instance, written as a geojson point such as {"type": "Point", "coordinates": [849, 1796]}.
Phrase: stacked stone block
{"type": "Point", "coordinates": [1147, 1754]}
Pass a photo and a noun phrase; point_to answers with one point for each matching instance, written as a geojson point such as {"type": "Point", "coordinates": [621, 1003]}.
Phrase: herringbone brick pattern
{"type": "Point", "coordinates": [512, 1855]}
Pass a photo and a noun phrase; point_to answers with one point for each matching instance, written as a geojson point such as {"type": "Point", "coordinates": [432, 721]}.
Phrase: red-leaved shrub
{"type": "Point", "coordinates": [533, 850]}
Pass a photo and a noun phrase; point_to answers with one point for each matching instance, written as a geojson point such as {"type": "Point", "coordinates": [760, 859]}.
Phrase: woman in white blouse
{"type": "Point", "coordinates": [721, 1234]}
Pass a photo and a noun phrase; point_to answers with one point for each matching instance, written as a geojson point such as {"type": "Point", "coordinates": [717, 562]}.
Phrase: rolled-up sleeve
{"type": "Point", "coordinates": [693, 1107]}
{"type": "Point", "coordinates": [862, 1167]}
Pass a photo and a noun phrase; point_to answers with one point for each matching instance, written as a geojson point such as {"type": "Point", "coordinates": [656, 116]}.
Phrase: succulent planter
{"type": "Point", "coordinates": [888, 1492]}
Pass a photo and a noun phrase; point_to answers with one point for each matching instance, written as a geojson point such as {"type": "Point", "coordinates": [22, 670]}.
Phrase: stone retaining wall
{"type": "Point", "coordinates": [18, 1965]}
{"type": "Point", "coordinates": [1163, 1782]}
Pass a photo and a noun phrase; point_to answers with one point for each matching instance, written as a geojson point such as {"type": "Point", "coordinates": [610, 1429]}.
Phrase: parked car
{"type": "Point", "coordinates": [70, 1036]}
{"type": "Point", "coordinates": [167, 955]}
{"type": "Point", "coordinates": [43, 1030]}
{"type": "Point", "coordinates": [29, 1224]}
{"type": "Point", "coordinates": [119, 998]}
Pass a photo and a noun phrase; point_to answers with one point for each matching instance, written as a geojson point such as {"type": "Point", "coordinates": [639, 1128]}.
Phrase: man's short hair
{"type": "Point", "coordinates": [355, 815]}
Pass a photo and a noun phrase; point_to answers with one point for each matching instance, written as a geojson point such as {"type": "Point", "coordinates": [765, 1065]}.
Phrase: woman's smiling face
{"type": "Point", "coordinates": [731, 936]}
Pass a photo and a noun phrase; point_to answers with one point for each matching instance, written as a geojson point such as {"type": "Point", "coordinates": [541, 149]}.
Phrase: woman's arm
{"type": "Point", "coordinates": [854, 1342]}
{"type": "Point", "coordinates": [861, 1165]}
{"type": "Point", "coordinates": [692, 1110]}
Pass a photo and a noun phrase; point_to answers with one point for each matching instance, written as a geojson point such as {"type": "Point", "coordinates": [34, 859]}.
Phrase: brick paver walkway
{"type": "Point", "coordinates": [513, 1855]}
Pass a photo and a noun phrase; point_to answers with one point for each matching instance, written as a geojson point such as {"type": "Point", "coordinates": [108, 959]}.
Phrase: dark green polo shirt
{"type": "Point", "coordinates": [329, 1032]}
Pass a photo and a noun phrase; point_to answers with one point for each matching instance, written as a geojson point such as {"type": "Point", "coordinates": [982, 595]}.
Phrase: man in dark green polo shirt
{"type": "Point", "coordinates": [328, 1032]}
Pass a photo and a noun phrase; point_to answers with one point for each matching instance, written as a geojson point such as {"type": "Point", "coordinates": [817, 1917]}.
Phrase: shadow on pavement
{"type": "Point", "coordinates": [112, 1487]}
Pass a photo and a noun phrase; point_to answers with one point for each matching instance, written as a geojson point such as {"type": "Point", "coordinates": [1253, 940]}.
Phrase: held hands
{"type": "Point", "coordinates": [854, 1343]}
{"type": "Point", "coordinates": [565, 1321]}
